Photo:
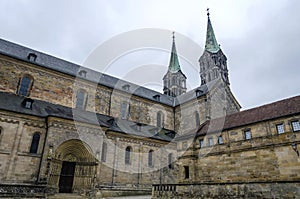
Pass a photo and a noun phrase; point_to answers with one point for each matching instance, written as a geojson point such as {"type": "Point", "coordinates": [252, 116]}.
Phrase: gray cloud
{"type": "Point", "coordinates": [260, 38]}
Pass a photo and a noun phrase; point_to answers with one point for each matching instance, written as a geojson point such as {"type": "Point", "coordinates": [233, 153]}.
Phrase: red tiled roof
{"type": "Point", "coordinates": [286, 107]}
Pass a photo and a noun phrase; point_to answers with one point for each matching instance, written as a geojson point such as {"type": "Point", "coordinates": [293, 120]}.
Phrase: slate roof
{"type": "Point", "coordinates": [13, 103]}
{"type": "Point", "coordinates": [174, 65]}
{"type": "Point", "coordinates": [283, 108]}
{"type": "Point", "coordinates": [211, 44]}
{"type": "Point", "coordinates": [47, 61]}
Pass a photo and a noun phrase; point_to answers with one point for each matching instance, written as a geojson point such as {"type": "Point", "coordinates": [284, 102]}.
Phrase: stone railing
{"type": "Point", "coordinates": [279, 189]}
{"type": "Point", "coordinates": [163, 191]}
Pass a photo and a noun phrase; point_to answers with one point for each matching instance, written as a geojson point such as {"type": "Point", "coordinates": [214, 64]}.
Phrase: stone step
{"type": "Point", "coordinates": [66, 196]}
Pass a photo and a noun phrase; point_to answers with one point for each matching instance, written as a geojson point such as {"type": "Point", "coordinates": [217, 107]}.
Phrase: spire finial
{"type": "Point", "coordinates": [208, 14]}
{"type": "Point", "coordinates": [173, 33]}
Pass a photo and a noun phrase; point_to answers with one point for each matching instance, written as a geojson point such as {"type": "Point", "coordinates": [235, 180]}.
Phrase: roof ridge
{"type": "Point", "coordinates": [270, 103]}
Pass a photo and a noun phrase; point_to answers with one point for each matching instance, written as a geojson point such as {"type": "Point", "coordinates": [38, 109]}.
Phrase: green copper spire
{"type": "Point", "coordinates": [211, 41]}
{"type": "Point", "coordinates": [174, 63]}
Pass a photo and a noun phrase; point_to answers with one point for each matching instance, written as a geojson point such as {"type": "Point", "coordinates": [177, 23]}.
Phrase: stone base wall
{"type": "Point", "coordinates": [43, 191]}
{"type": "Point", "coordinates": [24, 191]}
{"type": "Point", "coordinates": [104, 192]}
{"type": "Point", "coordinates": [224, 191]}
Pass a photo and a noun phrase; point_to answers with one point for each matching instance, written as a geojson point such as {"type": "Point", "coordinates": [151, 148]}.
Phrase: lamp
{"type": "Point", "coordinates": [294, 146]}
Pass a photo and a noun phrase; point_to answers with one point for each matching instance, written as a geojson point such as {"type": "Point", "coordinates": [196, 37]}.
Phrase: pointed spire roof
{"type": "Point", "coordinates": [174, 62]}
{"type": "Point", "coordinates": [211, 44]}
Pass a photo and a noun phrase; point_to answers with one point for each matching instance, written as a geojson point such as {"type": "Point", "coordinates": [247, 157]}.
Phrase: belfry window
{"type": "Point", "coordinates": [127, 155]}
{"type": "Point", "coordinates": [35, 143]}
{"type": "Point", "coordinates": [25, 85]}
{"type": "Point", "coordinates": [183, 83]}
{"type": "Point", "coordinates": [173, 80]}
{"type": "Point", "coordinates": [150, 158]}
{"type": "Point", "coordinates": [81, 99]}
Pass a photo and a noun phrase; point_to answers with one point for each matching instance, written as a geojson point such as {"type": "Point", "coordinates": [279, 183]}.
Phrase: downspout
{"type": "Point", "coordinates": [139, 166]}
{"type": "Point", "coordinates": [43, 150]}
{"type": "Point", "coordinates": [114, 163]}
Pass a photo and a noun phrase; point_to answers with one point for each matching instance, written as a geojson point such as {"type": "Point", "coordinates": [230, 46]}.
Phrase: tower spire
{"type": "Point", "coordinates": [213, 62]}
{"type": "Point", "coordinates": [211, 44]}
{"type": "Point", "coordinates": [174, 63]}
{"type": "Point", "coordinates": [174, 81]}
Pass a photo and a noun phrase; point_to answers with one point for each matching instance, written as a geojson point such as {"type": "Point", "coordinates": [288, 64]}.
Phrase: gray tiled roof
{"type": "Point", "coordinates": [53, 63]}
{"type": "Point", "coordinates": [13, 103]}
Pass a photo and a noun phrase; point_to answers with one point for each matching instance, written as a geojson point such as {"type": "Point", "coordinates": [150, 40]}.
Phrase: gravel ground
{"type": "Point", "coordinates": [133, 197]}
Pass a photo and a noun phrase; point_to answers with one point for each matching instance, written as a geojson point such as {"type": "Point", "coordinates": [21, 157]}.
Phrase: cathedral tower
{"type": "Point", "coordinates": [213, 62]}
{"type": "Point", "coordinates": [174, 80]}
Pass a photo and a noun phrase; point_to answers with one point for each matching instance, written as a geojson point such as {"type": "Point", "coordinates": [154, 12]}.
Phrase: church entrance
{"type": "Point", "coordinates": [66, 177]}
{"type": "Point", "coordinates": [73, 167]}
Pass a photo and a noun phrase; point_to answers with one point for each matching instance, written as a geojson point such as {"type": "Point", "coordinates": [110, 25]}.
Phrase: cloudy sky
{"type": "Point", "coordinates": [259, 37]}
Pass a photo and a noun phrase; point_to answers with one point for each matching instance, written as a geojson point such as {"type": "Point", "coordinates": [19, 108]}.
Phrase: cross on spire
{"type": "Point", "coordinates": [173, 33]}
{"type": "Point", "coordinates": [208, 12]}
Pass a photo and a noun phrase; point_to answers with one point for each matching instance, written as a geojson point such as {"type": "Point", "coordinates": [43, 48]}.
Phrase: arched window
{"type": "Point", "coordinates": [127, 155]}
{"type": "Point", "coordinates": [183, 83]}
{"type": "Point", "coordinates": [186, 172]}
{"type": "Point", "coordinates": [197, 119]}
{"type": "Point", "coordinates": [160, 119]}
{"type": "Point", "coordinates": [35, 143]}
{"type": "Point", "coordinates": [166, 83]}
{"type": "Point", "coordinates": [104, 152]}
{"type": "Point", "coordinates": [173, 80]}
{"type": "Point", "coordinates": [209, 77]}
{"type": "Point", "coordinates": [150, 158]}
{"type": "Point", "coordinates": [170, 161]}
{"type": "Point", "coordinates": [25, 85]}
{"type": "Point", "coordinates": [80, 99]}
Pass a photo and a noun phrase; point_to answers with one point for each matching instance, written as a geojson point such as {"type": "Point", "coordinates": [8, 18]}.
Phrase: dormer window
{"type": "Point", "coordinates": [32, 57]}
{"type": "Point", "coordinates": [27, 103]}
{"type": "Point", "coordinates": [198, 93]}
{"type": "Point", "coordinates": [82, 73]}
{"type": "Point", "coordinates": [156, 97]}
{"type": "Point", "coordinates": [126, 87]}
{"type": "Point", "coordinates": [138, 126]}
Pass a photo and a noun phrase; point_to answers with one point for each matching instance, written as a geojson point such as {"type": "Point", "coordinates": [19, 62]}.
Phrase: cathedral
{"type": "Point", "coordinates": [67, 129]}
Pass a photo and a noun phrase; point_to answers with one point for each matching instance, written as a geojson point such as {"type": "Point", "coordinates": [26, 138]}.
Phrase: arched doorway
{"type": "Point", "coordinates": [73, 167]}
